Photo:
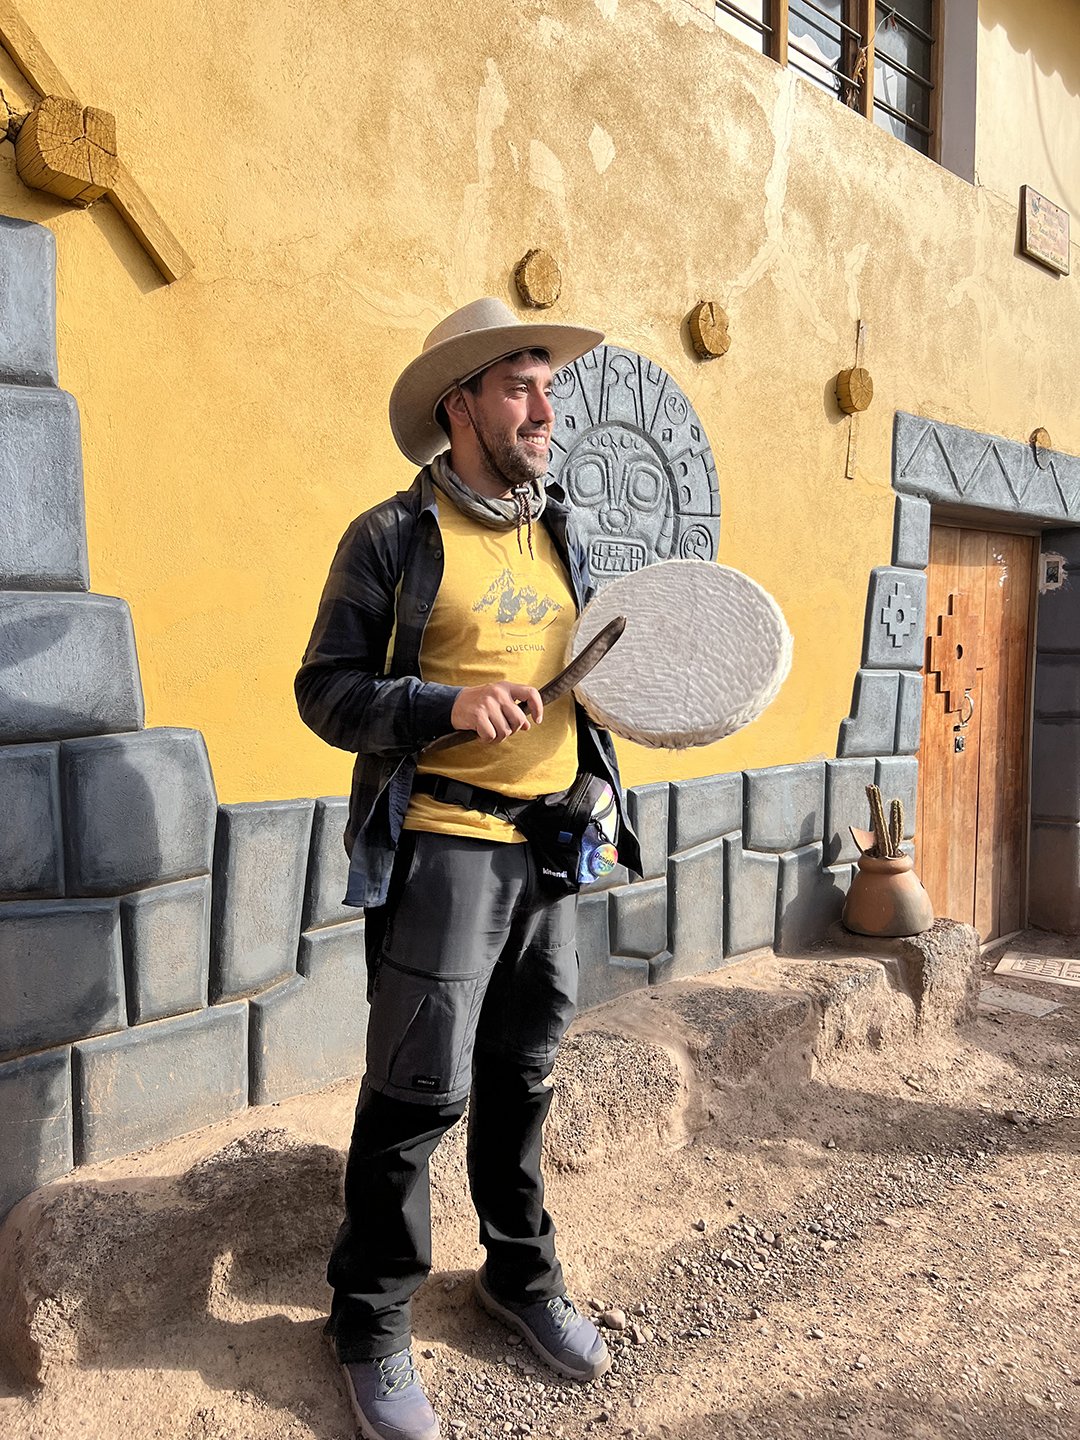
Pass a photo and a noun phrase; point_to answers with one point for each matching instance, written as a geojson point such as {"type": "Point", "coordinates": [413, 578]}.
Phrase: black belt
{"type": "Point", "coordinates": [470, 797]}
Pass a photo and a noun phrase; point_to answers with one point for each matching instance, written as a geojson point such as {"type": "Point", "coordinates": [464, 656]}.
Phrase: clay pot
{"type": "Point", "coordinates": [887, 898]}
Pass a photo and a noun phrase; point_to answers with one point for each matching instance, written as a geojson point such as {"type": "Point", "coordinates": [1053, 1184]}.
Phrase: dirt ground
{"type": "Point", "coordinates": [885, 1244]}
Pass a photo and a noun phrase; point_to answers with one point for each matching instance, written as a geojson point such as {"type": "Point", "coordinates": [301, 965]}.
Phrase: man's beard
{"type": "Point", "coordinates": [508, 462]}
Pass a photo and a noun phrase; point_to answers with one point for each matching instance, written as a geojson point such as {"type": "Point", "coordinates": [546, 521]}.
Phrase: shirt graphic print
{"type": "Point", "coordinates": [500, 614]}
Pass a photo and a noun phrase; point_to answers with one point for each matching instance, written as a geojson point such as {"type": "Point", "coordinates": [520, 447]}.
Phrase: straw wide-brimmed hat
{"type": "Point", "coordinates": [462, 345]}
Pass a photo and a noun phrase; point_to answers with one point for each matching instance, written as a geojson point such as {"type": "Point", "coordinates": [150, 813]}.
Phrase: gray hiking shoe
{"type": "Point", "coordinates": [388, 1400]}
{"type": "Point", "coordinates": [567, 1341]}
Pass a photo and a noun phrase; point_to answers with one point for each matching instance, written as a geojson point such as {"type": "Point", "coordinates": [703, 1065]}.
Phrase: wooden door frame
{"type": "Point", "coordinates": [963, 518]}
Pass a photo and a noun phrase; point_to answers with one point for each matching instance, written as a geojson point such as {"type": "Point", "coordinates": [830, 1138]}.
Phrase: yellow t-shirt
{"type": "Point", "coordinates": [499, 615]}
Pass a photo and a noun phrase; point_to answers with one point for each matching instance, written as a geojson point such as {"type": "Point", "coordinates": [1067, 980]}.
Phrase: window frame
{"type": "Point", "coordinates": [860, 16]}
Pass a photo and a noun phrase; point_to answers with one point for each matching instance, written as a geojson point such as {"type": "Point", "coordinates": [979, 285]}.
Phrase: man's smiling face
{"type": "Point", "coordinates": [513, 414]}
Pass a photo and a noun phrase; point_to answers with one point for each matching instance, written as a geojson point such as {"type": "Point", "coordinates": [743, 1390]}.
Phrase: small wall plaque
{"type": "Point", "coordinates": [1044, 230]}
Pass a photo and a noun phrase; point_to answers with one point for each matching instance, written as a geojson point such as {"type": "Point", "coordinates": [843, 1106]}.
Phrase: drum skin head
{"type": "Point", "coordinates": [704, 651]}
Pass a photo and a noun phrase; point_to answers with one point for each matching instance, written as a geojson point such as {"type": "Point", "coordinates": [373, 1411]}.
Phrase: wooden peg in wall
{"type": "Point", "coordinates": [68, 150]}
{"type": "Point", "coordinates": [538, 279]}
{"type": "Point", "coordinates": [854, 390]}
{"type": "Point", "coordinates": [708, 325]}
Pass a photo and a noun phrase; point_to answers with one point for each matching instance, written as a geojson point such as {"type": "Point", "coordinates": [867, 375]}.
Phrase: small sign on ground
{"type": "Point", "coordinates": [996, 997]}
{"type": "Point", "coordinates": [1054, 969]}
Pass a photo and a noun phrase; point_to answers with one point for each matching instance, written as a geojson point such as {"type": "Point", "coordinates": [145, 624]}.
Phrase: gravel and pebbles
{"type": "Point", "coordinates": [737, 1270]}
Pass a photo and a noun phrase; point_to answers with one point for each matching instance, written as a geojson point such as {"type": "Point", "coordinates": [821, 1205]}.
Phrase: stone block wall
{"type": "Point", "coordinates": [163, 960]}
{"type": "Point", "coordinates": [133, 1017]}
{"type": "Point", "coordinates": [734, 863]}
{"type": "Point", "coordinates": [886, 707]}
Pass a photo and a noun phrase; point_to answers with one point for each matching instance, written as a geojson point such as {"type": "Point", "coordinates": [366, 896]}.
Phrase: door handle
{"type": "Point", "coordinates": [965, 719]}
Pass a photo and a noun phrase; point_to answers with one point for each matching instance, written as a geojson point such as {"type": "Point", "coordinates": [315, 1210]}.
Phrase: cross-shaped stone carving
{"type": "Point", "coordinates": [899, 613]}
{"type": "Point", "coordinates": [69, 149]}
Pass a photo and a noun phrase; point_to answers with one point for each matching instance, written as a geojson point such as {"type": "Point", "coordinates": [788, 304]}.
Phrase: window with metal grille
{"type": "Point", "coordinates": [878, 59]}
{"type": "Point", "coordinates": [823, 46]}
{"type": "Point", "coordinates": [750, 22]}
{"type": "Point", "coordinates": [904, 69]}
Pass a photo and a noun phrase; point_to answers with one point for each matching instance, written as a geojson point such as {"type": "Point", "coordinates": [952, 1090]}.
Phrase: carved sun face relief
{"type": "Point", "coordinates": [634, 462]}
{"type": "Point", "coordinates": [617, 477]}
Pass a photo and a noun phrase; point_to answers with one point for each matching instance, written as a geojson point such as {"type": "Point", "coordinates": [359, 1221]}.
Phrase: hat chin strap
{"type": "Point", "coordinates": [492, 464]}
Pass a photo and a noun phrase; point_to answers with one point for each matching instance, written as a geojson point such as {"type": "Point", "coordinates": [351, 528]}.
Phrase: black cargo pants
{"type": "Point", "coordinates": [473, 974]}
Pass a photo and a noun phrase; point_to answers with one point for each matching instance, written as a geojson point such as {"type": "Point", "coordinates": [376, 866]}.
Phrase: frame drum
{"type": "Point", "coordinates": [704, 651]}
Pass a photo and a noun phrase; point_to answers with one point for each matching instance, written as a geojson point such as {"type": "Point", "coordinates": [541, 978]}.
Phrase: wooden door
{"type": "Point", "coordinates": [973, 756]}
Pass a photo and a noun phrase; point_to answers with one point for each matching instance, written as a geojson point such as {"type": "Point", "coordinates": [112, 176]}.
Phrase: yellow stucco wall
{"type": "Point", "coordinates": [344, 175]}
{"type": "Point", "coordinates": [1029, 99]}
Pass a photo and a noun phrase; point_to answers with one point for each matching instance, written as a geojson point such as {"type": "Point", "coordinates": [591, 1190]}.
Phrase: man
{"type": "Point", "coordinates": [447, 609]}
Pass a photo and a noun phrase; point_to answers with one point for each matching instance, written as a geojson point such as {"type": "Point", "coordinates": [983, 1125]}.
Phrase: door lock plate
{"type": "Point", "coordinates": [958, 744]}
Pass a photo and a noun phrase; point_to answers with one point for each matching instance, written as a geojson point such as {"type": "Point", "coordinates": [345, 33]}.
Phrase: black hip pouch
{"type": "Point", "coordinates": [571, 833]}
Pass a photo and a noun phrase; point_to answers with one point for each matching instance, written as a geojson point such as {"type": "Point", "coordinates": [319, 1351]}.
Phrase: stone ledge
{"type": "Point", "coordinates": [939, 969]}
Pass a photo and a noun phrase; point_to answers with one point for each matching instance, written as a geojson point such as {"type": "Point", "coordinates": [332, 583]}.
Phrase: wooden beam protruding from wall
{"type": "Point", "coordinates": [31, 59]}
{"type": "Point", "coordinates": [69, 150]}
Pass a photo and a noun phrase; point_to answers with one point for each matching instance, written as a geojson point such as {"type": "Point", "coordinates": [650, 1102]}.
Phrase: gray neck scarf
{"type": "Point", "coordinates": [524, 505]}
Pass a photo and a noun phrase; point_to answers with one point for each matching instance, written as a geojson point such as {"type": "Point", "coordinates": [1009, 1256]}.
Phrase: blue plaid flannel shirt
{"type": "Point", "coordinates": [375, 604]}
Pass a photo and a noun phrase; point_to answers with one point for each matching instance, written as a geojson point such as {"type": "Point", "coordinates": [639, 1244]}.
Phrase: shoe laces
{"type": "Point", "coordinates": [396, 1371]}
{"type": "Point", "coordinates": [561, 1311]}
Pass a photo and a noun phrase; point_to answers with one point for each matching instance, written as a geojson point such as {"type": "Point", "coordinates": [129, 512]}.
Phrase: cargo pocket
{"type": "Point", "coordinates": [421, 1033]}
